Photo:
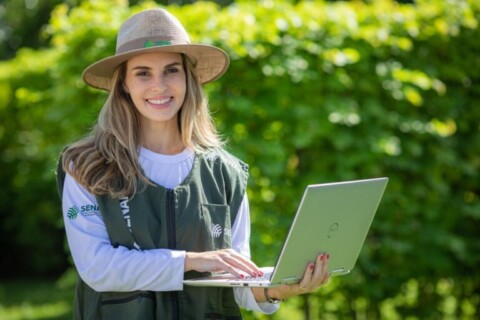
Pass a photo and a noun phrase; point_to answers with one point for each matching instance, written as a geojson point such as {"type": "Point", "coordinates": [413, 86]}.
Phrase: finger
{"type": "Point", "coordinates": [213, 261]}
{"type": "Point", "coordinates": [325, 274]}
{"type": "Point", "coordinates": [325, 263]}
{"type": "Point", "coordinates": [305, 283]}
{"type": "Point", "coordinates": [325, 278]}
{"type": "Point", "coordinates": [235, 263]}
{"type": "Point", "coordinates": [248, 266]}
{"type": "Point", "coordinates": [319, 266]}
{"type": "Point", "coordinates": [320, 269]}
{"type": "Point", "coordinates": [223, 261]}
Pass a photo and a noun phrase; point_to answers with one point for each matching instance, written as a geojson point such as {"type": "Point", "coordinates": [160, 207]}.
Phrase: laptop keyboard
{"type": "Point", "coordinates": [265, 276]}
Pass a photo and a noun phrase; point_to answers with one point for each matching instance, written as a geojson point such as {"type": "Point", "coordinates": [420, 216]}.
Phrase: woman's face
{"type": "Point", "coordinates": [156, 83]}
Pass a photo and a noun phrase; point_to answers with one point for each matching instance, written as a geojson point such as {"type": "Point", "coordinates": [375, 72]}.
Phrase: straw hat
{"type": "Point", "coordinates": [156, 30]}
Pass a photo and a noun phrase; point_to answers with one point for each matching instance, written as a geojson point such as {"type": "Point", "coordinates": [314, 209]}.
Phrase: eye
{"type": "Point", "coordinates": [142, 73]}
{"type": "Point", "coordinates": [172, 70]}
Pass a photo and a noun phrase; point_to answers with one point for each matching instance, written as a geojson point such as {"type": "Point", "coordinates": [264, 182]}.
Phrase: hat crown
{"type": "Point", "coordinates": [150, 28]}
{"type": "Point", "coordinates": [150, 31]}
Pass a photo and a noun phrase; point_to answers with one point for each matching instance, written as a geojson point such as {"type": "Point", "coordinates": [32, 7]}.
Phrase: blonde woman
{"type": "Point", "coordinates": [150, 197]}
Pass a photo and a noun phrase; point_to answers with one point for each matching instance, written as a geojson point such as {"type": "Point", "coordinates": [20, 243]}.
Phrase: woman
{"type": "Point", "coordinates": [150, 197]}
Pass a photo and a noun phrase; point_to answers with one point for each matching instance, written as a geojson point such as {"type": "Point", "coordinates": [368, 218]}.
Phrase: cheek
{"type": "Point", "coordinates": [181, 87]}
{"type": "Point", "coordinates": [134, 89]}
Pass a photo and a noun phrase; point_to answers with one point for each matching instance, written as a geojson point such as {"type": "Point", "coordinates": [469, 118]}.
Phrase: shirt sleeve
{"type": "Point", "coordinates": [105, 268]}
{"type": "Point", "coordinates": [241, 243]}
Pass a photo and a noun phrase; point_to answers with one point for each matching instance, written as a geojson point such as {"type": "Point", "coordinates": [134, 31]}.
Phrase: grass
{"type": "Point", "coordinates": [34, 299]}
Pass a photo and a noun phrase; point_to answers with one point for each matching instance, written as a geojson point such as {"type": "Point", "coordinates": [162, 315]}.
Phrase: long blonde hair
{"type": "Point", "coordinates": [106, 161]}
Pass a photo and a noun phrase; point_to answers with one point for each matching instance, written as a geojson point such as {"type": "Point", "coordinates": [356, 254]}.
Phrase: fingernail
{"type": "Point", "coordinates": [242, 276]}
{"type": "Point", "coordinates": [255, 274]}
{"type": "Point", "coordinates": [311, 266]}
{"type": "Point", "coordinates": [328, 256]}
{"type": "Point", "coordinates": [322, 256]}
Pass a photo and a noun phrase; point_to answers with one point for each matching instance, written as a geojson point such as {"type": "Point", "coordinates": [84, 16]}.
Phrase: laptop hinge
{"type": "Point", "coordinates": [290, 280]}
{"type": "Point", "coordinates": [339, 271]}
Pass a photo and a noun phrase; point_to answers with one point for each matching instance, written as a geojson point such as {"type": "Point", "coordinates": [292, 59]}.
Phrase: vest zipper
{"type": "Point", "coordinates": [171, 234]}
{"type": "Point", "coordinates": [172, 244]}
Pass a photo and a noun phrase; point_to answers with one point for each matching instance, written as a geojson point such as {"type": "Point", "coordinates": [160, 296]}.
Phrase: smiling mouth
{"type": "Point", "coordinates": [159, 101]}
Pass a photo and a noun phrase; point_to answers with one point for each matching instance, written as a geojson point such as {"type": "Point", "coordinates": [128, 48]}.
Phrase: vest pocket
{"type": "Point", "coordinates": [217, 226]}
{"type": "Point", "coordinates": [128, 305]}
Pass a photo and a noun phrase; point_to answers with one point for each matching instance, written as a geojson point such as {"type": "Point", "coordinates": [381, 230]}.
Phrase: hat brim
{"type": "Point", "coordinates": [211, 63]}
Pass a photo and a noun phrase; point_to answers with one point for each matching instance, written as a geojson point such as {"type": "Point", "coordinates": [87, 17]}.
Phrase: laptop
{"type": "Point", "coordinates": [333, 218]}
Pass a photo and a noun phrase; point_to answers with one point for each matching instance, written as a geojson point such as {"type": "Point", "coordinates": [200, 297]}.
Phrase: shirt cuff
{"type": "Point", "coordinates": [179, 257]}
{"type": "Point", "coordinates": [245, 298]}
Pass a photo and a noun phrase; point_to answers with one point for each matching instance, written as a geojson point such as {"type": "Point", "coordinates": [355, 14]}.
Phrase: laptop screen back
{"type": "Point", "coordinates": [332, 218]}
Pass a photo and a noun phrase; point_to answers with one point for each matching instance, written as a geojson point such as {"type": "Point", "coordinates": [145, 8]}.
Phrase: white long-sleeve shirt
{"type": "Point", "coordinates": [105, 268]}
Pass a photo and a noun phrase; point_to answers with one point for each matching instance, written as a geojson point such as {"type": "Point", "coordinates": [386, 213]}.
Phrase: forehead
{"type": "Point", "coordinates": [154, 58]}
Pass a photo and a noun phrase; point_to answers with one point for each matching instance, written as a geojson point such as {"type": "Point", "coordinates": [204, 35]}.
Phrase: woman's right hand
{"type": "Point", "coordinates": [227, 260]}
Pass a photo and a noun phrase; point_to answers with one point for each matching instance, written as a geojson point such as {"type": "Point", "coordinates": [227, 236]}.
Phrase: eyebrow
{"type": "Point", "coordinates": [173, 64]}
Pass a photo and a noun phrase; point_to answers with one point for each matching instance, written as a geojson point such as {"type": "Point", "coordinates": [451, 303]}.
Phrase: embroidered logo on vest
{"type": "Point", "coordinates": [216, 230]}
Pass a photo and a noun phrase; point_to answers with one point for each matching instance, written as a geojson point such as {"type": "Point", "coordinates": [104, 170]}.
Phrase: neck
{"type": "Point", "coordinates": [162, 139]}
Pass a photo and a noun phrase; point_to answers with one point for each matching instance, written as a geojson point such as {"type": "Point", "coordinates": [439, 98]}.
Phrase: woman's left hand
{"type": "Point", "coordinates": [315, 276]}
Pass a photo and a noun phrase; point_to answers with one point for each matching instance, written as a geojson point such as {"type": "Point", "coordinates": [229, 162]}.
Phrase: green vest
{"type": "Point", "coordinates": [196, 216]}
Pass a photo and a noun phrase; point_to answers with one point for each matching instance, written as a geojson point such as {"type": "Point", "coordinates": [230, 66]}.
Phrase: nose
{"type": "Point", "coordinates": [159, 84]}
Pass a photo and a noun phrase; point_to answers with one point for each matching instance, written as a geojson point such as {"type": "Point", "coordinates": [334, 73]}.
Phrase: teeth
{"type": "Point", "coordinates": [162, 101]}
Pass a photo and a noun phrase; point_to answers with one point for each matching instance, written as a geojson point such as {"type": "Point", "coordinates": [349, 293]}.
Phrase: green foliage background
{"type": "Point", "coordinates": [315, 92]}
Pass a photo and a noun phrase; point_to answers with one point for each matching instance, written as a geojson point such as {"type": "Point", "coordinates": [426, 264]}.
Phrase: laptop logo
{"type": "Point", "coordinates": [332, 230]}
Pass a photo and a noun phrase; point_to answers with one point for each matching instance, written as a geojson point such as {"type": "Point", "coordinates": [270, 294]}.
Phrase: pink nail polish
{"type": "Point", "coordinates": [311, 266]}
{"type": "Point", "coordinates": [328, 256]}
{"type": "Point", "coordinates": [321, 257]}
{"type": "Point", "coordinates": [242, 276]}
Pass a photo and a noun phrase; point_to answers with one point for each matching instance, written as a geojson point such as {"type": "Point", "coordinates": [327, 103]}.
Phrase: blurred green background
{"type": "Point", "coordinates": [316, 92]}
